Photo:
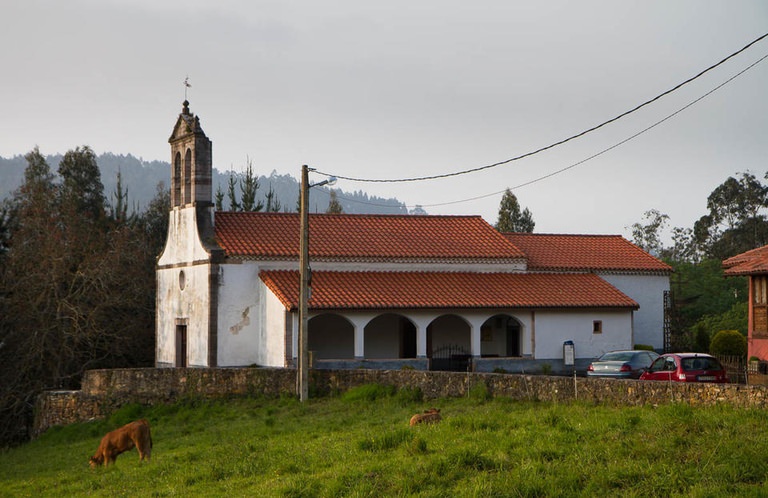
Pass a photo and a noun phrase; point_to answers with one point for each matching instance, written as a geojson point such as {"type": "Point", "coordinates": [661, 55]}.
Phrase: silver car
{"type": "Point", "coordinates": [622, 364]}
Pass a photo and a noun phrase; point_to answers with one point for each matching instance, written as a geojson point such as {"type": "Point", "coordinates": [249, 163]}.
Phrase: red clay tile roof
{"type": "Point", "coordinates": [584, 252]}
{"type": "Point", "coordinates": [349, 237]}
{"type": "Point", "coordinates": [747, 263]}
{"type": "Point", "coordinates": [392, 290]}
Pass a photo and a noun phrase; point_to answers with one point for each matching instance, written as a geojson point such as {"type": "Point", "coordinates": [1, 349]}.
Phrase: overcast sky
{"type": "Point", "coordinates": [396, 89]}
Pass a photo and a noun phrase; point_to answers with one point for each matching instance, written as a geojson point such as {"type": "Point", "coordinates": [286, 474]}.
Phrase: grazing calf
{"type": "Point", "coordinates": [430, 416]}
{"type": "Point", "coordinates": [136, 434]}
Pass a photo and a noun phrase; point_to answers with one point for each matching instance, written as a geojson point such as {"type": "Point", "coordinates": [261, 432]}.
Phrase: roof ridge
{"type": "Point", "coordinates": [355, 215]}
{"type": "Point", "coordinates": [572, 235]}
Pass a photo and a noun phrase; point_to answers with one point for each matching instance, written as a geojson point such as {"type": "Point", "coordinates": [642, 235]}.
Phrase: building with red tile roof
{"type": "Point", "coordinates": [754, 265]}
{"type": "Point", "coordinates": [616, 260]}
{"type": "Point", "coordinates": [365, 238]}
{"type": "Point", "coordinates": [386, 290]}
{"type": "Point", "coordinates": [596, 253]}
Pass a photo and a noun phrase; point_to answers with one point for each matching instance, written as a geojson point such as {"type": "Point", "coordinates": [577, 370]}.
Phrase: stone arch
{"type": "Point", "coordinates": [177, 179]}
{"type": "Point", "coordinates": [331, 337]}
{"type": "Point", "coordinates": [447, 330]}
{"type": "Point", "coordinates": [390, 336]}
{"type": "Point", "coordinates": [188, 176]}
{"type": "Point", "coordinates": [501, 335]}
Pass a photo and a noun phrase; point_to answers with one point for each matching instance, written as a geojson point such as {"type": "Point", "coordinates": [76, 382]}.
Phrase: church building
{"type": "Point", "coordinates": [389, 291]}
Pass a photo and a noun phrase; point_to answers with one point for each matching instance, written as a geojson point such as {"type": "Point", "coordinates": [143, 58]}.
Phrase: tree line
{"type": "Point", "coordinates": [77, 282]}
{"type": "Point", "coordinates": [704, 302]}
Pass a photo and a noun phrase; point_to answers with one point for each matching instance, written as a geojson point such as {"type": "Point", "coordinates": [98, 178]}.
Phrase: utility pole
{"type": "Point", "coordinates": [303, 367]}
{"type": "Point", "coordinates": [302, 372]}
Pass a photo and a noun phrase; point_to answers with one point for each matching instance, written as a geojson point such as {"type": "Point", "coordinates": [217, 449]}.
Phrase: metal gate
{"type": "Point", "coordinates": [451, 358]}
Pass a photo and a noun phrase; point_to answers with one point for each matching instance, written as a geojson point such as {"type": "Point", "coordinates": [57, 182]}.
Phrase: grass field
{"type": "Point", "coordinates": [360, 444]}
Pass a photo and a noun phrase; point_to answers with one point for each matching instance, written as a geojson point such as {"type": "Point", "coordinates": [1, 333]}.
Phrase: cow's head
{"type": "Point", "coordinates": [96, 461]}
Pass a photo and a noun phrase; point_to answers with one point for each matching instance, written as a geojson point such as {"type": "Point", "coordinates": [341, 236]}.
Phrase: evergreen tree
{"type": "Point", "coordinates": [249, 186]}
{"type": "Point", "coordinates": [219, 199]}
{"type": "Point", "coordinates": [119, 211]}
{"type": "Point", "coordinates": [273, 204]}
{"type": "Point", "coordinates": [511, 219]}
{"type": "Point", "coordinates": [334, 206]}
{"type": "Point", "coordinates": [232, 194]}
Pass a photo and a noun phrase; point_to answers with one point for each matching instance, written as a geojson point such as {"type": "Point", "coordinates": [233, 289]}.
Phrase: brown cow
{"type": "Point", "coordinates": [136, 434]}
{"type": "Point", "coordinates": [430, 416]}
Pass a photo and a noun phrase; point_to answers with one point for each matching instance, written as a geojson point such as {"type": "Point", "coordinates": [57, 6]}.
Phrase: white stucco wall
{"type": "Point", "coordinates": [240, 315]}
{"type": "Point", "coordinates": [190, 305]}
{"type": "Point", "coordinates": [553, 328]}
{"type": "Point", "coordinates": [274, 326]}
{"type": "Point", "coordinates": [183, 242]}
{"type": "Point", "coordinates": [648, 291]}
{"type": "Point", "coordinates": [183, 253]}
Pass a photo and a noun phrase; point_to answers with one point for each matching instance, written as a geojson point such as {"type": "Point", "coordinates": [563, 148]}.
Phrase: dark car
{"type": "Point", "coordinates": [622, 364]}
{"type": "Point", "coordinates": [686, 367]}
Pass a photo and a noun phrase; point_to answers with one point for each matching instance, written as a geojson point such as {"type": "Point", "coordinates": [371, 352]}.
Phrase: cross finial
{"type": "Point", "coordinates": [186, 86]}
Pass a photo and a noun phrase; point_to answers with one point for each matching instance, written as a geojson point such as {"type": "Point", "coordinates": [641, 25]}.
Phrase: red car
{"type": "Point", "coordinates": [686, 367]}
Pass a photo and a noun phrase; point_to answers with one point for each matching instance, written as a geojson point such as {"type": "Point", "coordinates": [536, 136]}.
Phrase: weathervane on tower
{"type": "Point", "coordinates": [187, 85]}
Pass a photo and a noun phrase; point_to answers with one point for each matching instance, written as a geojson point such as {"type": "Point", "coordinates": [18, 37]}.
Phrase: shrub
{"type": "Point", "coordinates": [644, 347]}
{"type": "Point", "coordinates": [701, 338]}
{"type": "Point", "coordinates": [728, 342]}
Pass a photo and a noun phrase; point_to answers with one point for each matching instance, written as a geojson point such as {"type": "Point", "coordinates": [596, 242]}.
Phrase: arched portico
{"type": "Point", "coordinates": [331, 336]}
{"type": "Point", "coordinates": [448, 330]}
{"type": "Point", "coordinates": [390, 336]}
{"type": "Point", "coordinates": [364, 339]}
{"type": "Point", "coordinates": [501, 335]}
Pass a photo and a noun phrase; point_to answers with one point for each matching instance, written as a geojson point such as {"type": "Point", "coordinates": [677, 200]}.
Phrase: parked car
{"type": "Point", "coordinates": [622, 364]}
{"type": "Point", "coordinates": [686, 367]}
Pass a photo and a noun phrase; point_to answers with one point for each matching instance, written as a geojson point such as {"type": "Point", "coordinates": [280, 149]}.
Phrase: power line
{"type": "Point", "coordinates": [561, 142]}
{"type": "Point", "coordinates": [593, 156]}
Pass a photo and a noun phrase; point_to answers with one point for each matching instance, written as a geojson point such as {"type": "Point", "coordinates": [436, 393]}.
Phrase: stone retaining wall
{"type": "Point", "coordinates": [104, 391]}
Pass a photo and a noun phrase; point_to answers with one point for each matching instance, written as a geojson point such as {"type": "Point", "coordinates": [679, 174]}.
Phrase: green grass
{"type": "Point", "coordinates": [359, 444]}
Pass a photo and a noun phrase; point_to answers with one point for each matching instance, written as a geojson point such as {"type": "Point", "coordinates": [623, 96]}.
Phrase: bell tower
{"type": "Point", "coordinates": [191, 162]}
{"type": "Point", "coordinates": [188, 268]}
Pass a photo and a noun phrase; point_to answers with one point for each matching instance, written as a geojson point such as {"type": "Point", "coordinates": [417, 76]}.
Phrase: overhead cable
{"type": "Point", "coordinates": [593, 156]}
{"type": "Point", "coordinates": [561, 142]}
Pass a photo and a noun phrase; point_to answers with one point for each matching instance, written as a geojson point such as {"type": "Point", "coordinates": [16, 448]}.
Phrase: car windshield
{"type": "Point", "coordinates": [700, 363]}
{"type": "Point", "coordinates": [617, 356]}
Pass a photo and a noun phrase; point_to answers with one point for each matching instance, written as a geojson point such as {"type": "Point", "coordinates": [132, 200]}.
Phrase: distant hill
{"type": "Point", "coordinates": [140, 178]}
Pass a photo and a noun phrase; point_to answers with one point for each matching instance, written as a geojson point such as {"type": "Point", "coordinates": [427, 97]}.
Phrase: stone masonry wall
{"type": "Point", "coordinates": [104, 391]}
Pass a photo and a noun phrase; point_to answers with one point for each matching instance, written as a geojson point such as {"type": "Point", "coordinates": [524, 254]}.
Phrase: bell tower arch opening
{"type": "Point", "coordinates": [187, 199]}
{"type": "Point", "coordinates": [176, 180]}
